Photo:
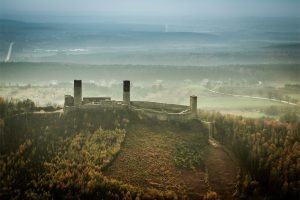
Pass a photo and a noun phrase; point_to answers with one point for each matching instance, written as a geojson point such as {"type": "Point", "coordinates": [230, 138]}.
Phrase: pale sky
{"type": "Point", "coordinates": [209, 8]}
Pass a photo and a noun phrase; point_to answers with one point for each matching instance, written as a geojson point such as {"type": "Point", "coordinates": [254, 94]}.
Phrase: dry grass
{"type": "Point", "coordinates": [147, 160]}
{"type": "Point", "coordinates": [222, 170]}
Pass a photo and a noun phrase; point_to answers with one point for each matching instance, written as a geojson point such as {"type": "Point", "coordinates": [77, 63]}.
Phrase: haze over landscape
{"type": "Point", "coordinates": [144, 34]}
{"type": "Point", "coordinates": [240, 58]}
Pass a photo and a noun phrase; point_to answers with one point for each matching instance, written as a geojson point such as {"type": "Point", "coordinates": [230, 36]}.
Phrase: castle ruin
{"type": "Point", "coordinates": [160, 111]}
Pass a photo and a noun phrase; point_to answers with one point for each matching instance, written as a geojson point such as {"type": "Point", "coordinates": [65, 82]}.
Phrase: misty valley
{"type": "Point", "coordinates": [188, 109]}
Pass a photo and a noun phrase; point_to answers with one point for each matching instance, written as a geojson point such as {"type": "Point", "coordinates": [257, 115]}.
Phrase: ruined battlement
{"type": "Point", "coordinates": [155, 110]}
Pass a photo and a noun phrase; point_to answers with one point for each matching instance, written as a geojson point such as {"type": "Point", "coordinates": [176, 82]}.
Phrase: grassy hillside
{"type": "Point", "coordinates": [63, 155]}
{"type": "Point", "coordinates": [164, 156]}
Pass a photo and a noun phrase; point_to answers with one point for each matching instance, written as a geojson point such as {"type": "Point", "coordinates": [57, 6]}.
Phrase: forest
{"type": "Point", "coordinates": [268, 150]}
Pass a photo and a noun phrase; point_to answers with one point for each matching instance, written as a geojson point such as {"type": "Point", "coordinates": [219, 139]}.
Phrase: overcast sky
{"type": "Point", "coordinates": [209, 8]}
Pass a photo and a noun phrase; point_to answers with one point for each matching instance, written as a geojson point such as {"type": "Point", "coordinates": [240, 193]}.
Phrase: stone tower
{"type": "Point", "coordinates": [77, 93]}
{"type": "Point", "coordinates": [193, 105]}
{"type": "Point", "coordinates": [126, 92]}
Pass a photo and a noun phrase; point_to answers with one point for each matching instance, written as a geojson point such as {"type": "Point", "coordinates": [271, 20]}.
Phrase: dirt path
{"type": "Point", "coordinates": [146, 160]}
{"type": "Point", "coordinates": [222, 170]}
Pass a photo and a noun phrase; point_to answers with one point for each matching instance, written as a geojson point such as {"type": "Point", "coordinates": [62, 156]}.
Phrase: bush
{"type": "Point", "coordinates": [211, 195]}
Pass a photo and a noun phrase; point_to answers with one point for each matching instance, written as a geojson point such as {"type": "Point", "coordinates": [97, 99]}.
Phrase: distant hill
{"type": "Point", "coordinates": [24, 71]}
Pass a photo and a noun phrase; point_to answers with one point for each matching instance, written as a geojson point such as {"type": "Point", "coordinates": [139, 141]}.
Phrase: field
{"type": "Point", "coordinates": [286, 100]}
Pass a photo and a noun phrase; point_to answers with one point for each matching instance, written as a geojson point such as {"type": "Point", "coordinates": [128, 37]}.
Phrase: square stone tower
{"type": "Point", "coordinates": [77, 93]}
{"type": "Point", "coordinates": [126, 91]}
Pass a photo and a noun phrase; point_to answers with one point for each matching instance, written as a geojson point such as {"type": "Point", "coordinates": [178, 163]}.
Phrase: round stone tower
{"type": "Point", "coordinates": [126, 91]}
{"type": "Point", "coordinates": [193, 105]}
{"type": "Point", "coordinates": [77, 92]}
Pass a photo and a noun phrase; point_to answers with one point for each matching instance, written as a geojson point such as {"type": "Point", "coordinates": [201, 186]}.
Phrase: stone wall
{"type": "Point", "coordinates": [92, 106]}
{"type": "Point", "coordinates": [161, 115]}
{"type": "Point", "coordinates": [161, 111]}
{"type": "Point", "coordinates": [87, 100]}
{"type": "Point", "coordinates": [172, 108]}
{"type": "Point", "coordinates": [69, 100]}
{"type": "Point", "coordinates": [153, 110]}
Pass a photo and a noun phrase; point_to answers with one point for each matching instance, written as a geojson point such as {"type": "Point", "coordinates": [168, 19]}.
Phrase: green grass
{"type": "Point", "coordinates": [242, 105]}
{"type": "Point", "coordinates": [189, 154]}
{"type": "Point", "coordinates": [252, 108]}
{"type": "Point", "coordinates": [222, 102]}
